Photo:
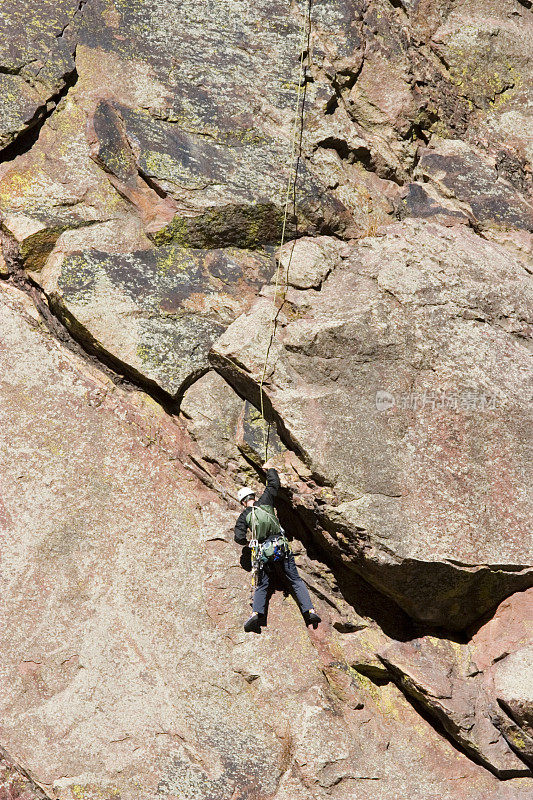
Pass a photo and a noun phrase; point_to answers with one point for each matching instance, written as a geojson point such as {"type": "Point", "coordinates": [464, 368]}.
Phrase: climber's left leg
{"type": "Point", "coordinates": [259, 602]}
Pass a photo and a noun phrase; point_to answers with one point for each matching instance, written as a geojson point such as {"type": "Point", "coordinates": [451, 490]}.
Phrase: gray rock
{"type": "Point", "coordinates": [459, 171]}
{"type": "Point", "coordinates": [154, 313]}
{"type": "Point", "coordinates": [33, 68]}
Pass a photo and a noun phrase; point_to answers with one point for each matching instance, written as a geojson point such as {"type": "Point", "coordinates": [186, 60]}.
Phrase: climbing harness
{"type": "Point", "coordinates": [266, 547]}
{"type": "Point", "coordinates": [274, 549]}
{"type": "Point", "coordinates": [268, 552]}
{"type": "Point", "coordinates": [291, 184]}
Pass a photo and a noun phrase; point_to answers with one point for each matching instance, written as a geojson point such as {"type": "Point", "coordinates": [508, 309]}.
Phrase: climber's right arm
{"type": "Point", "coordinates": [272, 488]}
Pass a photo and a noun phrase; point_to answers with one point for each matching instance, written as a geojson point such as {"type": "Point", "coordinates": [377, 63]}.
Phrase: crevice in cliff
{"type": "Point", "coordinates": [351, 588]}
{"type": "Point", "coordinates": [399, 4]}
{"type": "Point", "coordinates": [68, 331]}
{"type": "Point", "coordinates": [14, 70]}
{"type": "Point", "coordinates": [336, 544]}
{"type": "Point", "coordinates": [36, 788]}
{"type": "Point", "coordinates": [439, 728]}
{"type": "Point", "coordinates": [353, 155]}
{"type": "Point", "coordinates": [152, 184]}
{"type": "Point", "coordinates": [72, 20]}
{"type": "Point", "coordinates": [26, 140]}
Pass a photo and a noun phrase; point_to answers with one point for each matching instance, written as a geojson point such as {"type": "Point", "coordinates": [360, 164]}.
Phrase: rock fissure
{"type": "Point", "coordinates": [398, 388]}
{"type": "Point", "coordinates": [28, 138]}
{"type": "Point", "coordinates": [66, 329]}
{"type": "Point", "coordinates": [77, 14]}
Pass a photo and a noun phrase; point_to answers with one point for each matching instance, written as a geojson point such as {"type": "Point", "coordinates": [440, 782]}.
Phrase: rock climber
{"type": "Point", "coordinates": [268, 530]}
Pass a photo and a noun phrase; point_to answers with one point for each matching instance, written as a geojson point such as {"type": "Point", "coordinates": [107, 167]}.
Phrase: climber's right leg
{"type": "Point", "coordinates": [259, 602]}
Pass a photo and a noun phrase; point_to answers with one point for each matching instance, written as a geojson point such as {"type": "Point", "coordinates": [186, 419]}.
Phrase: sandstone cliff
{"type": "Point", "coordinates": [145, 151]}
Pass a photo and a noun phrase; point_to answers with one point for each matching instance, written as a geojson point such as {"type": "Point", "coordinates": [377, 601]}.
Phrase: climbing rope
{"type": "Point", "coordinates": [291, 185]}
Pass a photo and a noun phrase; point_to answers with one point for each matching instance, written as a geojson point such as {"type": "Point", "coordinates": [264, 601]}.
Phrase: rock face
{"type": "Point", "coordinates": [481, 692]}
{"type": "Point", "coordinates": [147, 175]}
{"type": "Point", "coordinates": [156, 312]}
{"type": "Point", "coordinates": [125, 669]}
{"type": "Point", "coordinates": [403, 385]}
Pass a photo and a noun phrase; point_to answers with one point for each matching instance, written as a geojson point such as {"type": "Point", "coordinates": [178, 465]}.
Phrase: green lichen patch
{"type": "Point", "coordinates": [157, 312]}
{"type": "Point", "coordinates": [244, 226]}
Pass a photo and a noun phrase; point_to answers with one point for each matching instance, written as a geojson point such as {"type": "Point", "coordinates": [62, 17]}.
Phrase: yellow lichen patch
{"type": "Point", "coordinates": [480, 78]}
{"type": "Point", "coordinates": [178, 259]}
{"type": "Point", "coordinates": [90, 791]}
{"type": "Point", "coordinates": [517, 738]}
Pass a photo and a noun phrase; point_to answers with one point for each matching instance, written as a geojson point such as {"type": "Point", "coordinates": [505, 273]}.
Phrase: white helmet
{"type": "Point", "coordinates": [245, 492]}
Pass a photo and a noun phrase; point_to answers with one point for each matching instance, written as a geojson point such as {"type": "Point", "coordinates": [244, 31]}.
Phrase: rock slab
{"type": "Point", "coordinates": [404, 386]}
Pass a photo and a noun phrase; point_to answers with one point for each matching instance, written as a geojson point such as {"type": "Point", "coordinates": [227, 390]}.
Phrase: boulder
{"type": "Point", "coordinates": [403, 386]}
{"type": "Point", "coordinates": [153, 313]}
{"type": "Point", "coordinates": [481, 691]}
{"type": "Point", "coordinates": [502, 651]}
{"type": "Point", "coordinates": [439, 680]}
{"type": "Point", "coordinates": [33, 185]}
{"type": "Point", "coordinates": [35, 238]}
{"type": "Point", "coordinates": [305, 263]}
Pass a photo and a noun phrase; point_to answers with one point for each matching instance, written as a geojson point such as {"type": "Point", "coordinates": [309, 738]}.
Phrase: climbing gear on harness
{"type": "Point", "coordinates": [263, 522]}
{"type": "Point", "coordinates": [245, 492]}
{"type": "Point", "coordinates": [256, 568]}
{"type": "Point", "coordinates": [274, 549]}
{"type": "Point", "coordinates": [291, 185]}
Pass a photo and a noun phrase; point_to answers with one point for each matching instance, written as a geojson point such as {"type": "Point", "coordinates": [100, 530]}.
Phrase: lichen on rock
{"type": "Point", "coordinates": [152, 157]}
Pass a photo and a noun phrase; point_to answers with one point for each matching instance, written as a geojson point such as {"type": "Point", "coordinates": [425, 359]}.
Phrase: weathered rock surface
{"type": "Point", "coordinates": [145, 152]}
{"type": "Point", "coordinates": [36, 61]}
{"type": "Point", "coordinates": [463, 174]}
{"type": "Point", "coordinates": [124, 671]}
{"type": "Point", "coordinates": [216, 142]}
{"type": "Point", "coordinates": [469, 688]}
{"type": "Point", "coordinates": [212, 411]}
{"type": "Point", "coordinates": [404, 386]}
{"type": "Point", "coordinates": [155, 312]}
{"type": "Point", "coordinates": [15, 784]}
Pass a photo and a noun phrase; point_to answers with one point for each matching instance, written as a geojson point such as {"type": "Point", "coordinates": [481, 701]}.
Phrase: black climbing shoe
{"type": "Point", "coordinates": [311, 618]}
{"type": "Point", "coordinates": [252, 624]}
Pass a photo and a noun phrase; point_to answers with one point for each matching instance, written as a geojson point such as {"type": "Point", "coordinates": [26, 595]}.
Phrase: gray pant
{"type": "Point", "coordinates": [286, 570]}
